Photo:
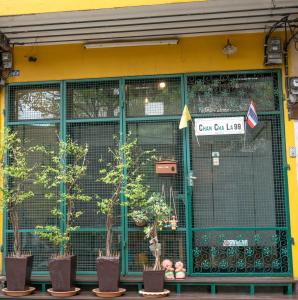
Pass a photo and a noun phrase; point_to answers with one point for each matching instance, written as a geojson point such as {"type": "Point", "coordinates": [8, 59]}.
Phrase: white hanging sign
{"type": "Point", "coordinates": [219, 126]}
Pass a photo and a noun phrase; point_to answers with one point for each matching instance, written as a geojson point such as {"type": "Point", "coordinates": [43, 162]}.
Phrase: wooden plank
{"type": "Point", "coordinates": [193, 279]}
{"type": "Point", "coordinates": [87, 295]}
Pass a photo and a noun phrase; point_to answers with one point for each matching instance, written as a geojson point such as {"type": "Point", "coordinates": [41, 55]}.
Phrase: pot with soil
{"type": "Point", "coordinates": [18, 272]}
{"type": "Point", "coordinates": [19, 175]}
{"type": "Point", "coordinates": [108, 273]}
{"type": "Point", "coordinates": [124, 180]}
{"type": "Point", "coordinates": [63, 272]}
{"type": "Point", "coordinates": [62, 265]}
{"type": "Point", "coordinates": [154, 281]}
{"type": "Point", "coordinates": [155, 212]}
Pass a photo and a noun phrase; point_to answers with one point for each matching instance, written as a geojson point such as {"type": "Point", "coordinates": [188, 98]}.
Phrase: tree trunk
{"type": "Point", "coordinates": [17, 238]}
{"type": "Point", "coordinates": [156, 254]}
{"type": "Point", "coordinates": [67, 246]}
{"type": "Point", "coordinates": [109, 225]}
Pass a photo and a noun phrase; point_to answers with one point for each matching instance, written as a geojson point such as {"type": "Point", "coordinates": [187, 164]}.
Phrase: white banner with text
{"type": "Point", "coordinates": [219, 126]}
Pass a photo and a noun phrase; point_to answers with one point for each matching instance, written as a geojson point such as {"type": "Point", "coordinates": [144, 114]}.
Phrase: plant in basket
{"type": "Point", "coordinates": [155, 212]}
{"type": "Point", "coordinates": [65, 168]}
{"type": "Point", "coordinates": [124, 178]}
{"type": "Point", "coordinates": [18, 174]}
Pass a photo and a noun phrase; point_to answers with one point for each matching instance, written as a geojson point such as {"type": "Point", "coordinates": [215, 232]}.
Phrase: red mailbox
{"type": "Point", "coordinates": [166, 167]}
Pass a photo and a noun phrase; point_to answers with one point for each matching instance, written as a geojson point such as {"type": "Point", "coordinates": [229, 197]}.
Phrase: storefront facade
{"type": "Point", "coordinates": [235, 206]}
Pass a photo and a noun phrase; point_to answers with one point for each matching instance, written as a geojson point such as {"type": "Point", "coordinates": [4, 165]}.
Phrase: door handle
{"type": "Point", "coordinates": [191, 178]}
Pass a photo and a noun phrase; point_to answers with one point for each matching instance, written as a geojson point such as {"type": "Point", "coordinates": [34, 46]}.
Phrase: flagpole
{"type": "Point", "coordinates": [194, 130]}
{"type": "Point", "coordinates": [185, 117]}
{"type": "Point", "coordinates": [245, 133]}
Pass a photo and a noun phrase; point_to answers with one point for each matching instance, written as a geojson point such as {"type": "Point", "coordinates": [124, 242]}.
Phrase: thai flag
{"type": "Point", "coordinates": [252, 117]}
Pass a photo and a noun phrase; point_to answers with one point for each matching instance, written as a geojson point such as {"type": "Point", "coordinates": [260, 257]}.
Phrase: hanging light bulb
{"type": "Point", "coordinates": [162, 85]}
{"type": "Point", "coordinates": [146, 100]}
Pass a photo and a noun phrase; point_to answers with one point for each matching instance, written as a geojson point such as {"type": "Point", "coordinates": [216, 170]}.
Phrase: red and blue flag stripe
{"type": "Point", "coordinates": [252, 117]}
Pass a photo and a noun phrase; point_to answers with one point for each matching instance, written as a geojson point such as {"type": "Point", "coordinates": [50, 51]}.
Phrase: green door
{"type": "Point", "coordinates": [239, 211]}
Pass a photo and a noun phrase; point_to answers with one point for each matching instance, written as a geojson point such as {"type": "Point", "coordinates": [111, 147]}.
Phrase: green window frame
{"type": "Point", "coordinates": [124, 121]}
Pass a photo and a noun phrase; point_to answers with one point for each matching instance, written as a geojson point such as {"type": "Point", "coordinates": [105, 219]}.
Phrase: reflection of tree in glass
{"type": "Point", "coordinates": [37, 104]}
{"type": "Point", "coordinates": [94, 102]}
{"type": "Point", "coordinates": [139, 93]}
{"type": "Point", "coordinates": [231, 93]}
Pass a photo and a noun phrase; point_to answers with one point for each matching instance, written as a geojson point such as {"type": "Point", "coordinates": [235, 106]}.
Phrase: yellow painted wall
{"type": "Point", "coordinates": [190, 55]}
{"type": "Point", "coordinates": [1, 135]}
{"type": "Point", "coordinates": [20, 7]}
{"type": "Point", "coordinates": [200, 54]}
{"type": "Point", "coordinates": [292, 173]}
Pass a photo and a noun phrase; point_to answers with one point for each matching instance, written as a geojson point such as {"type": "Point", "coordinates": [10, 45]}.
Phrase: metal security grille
{"type": "Point", "coordinates": [166, 139]}
{"type": "Point", "coordinates": [238, 202]}
{"type": "Point", "coordinates": [89, 105]}
{"type": "Point", "coordinates": [232, 219]}
{"type": "Point", "coordinates": [34, 112]}
{"type": "Point", "coordinates": [34, 102]}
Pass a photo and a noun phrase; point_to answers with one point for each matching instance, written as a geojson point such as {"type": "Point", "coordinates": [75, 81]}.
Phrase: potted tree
{"type": "Point", "coordinates": [65, 169]}
{"type": "Point", "coordinates": [123, 174]}
{"type": "Point", "coordinates": [155, 212]}
{"type": "Point", "coordinates": [17, 173]}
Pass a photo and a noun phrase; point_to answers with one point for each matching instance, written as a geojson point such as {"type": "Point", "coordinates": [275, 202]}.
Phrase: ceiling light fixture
{"type": "Point", "coordinates": [162, 85]}
{"type": "Point", "coordinates": [131, 43]}
{"type": "Point", "coordinates": [229, 49]}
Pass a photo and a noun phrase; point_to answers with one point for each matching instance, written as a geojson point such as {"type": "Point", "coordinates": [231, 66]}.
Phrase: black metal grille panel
{"type": "Point", "coordinates": [260, 251]}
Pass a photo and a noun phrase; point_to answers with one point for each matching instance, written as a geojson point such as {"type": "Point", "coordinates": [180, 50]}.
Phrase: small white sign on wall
{"type": "Point", "coordinates": [235, 243]}
{"type": "Point", "coordinates": [219, 126]}
{"type": "Point", "coordinates": [154, 109]}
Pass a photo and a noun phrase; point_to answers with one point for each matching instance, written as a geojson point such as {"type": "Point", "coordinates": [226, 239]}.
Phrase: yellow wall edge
{"type": "Point", "coordinates": [292, 162]}
{"type": "Point", "coordinates": [20, 7]}
{"type": "Point", "coordinates": [1, 135]}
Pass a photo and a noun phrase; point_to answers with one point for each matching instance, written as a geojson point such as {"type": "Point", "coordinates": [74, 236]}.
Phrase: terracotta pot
{"type": "Point", "coordinates": [63, 273]}
{"type": "Point", "coordinates": [18, 272]}
{"type": "Point", "coordinates": [108, 273]}
{"type": "Point", "coordinates": [154, 281]}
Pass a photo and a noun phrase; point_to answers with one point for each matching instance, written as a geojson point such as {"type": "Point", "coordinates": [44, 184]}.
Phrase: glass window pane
{"type": "Point", "coordinates": [166, 139]}
{"type": "Point", "coordinates": [232, 92]}
{"type": "Point", "coordinates": [34, 102]}
{"type": "Point", "coordinates": [244, 187]}
{"type": "Point", "coordinates": [99, 137]}
{"type": "Point", "coordinates": [35, 211]}
{"type": "Point", "coordinates": [97, 99]}
{"type": "Point", "coordinates": [153, 97]}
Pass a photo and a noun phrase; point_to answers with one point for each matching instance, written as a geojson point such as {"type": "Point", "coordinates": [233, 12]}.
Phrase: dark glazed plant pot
{"type": "Point", "coordinates": [154, 281]}
{"type": "Point", "coordinates": [108, 273]}
{"type": "Point", "coordinates": [18, 272]}
{"type": "Point", "coordinates": [63, 273]}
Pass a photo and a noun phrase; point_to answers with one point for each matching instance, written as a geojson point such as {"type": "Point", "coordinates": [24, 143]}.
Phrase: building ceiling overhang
{"type": "Point", "coordinates": [147, 22]}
